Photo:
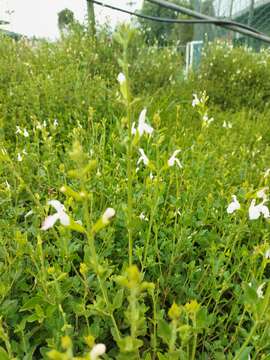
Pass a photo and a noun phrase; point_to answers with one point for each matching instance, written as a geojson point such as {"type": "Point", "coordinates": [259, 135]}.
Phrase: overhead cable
{"type": "Point", "coordinates": [237, 27]}
{"type": "Point", "coordinates": [177, 21]}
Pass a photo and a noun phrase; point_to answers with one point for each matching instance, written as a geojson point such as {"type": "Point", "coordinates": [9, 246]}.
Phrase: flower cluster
{"type": "Point", "coordinates": [200, 104]}
{"type": "Point", "coordinates": [143, 127]}
{"type": "Point", "coordinates": [254, 211]}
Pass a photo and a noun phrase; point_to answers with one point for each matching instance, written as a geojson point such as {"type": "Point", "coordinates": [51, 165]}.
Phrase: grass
{"type": "Point", "coordinates": [172, 275]}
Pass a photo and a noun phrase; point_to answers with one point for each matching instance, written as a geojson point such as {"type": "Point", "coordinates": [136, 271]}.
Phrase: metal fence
{"type": "Point", "coordinates": [255, 13]}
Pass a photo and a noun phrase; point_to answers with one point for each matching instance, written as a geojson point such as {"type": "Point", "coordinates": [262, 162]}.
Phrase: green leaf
{"type": "Point", "coordinates": [245, 354]}
{"type": "Point", "coordinates": [164, 331]}
{"type": "Point", "coordinates": [118, 299]}
{"type": "Point", "coordinates": [3, 354]}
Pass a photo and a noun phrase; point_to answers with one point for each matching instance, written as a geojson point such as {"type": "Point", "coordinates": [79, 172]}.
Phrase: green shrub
{"type": "Point", "coordinates": [235, 77]}
{"type": "Point", "coordinates": [150, 262]}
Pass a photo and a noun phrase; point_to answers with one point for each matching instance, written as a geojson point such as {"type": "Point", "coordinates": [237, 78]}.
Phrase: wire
{"type": "Point", "coordinates": [237, 28]}
{"type": "Point", "coordinates": [179, 21]}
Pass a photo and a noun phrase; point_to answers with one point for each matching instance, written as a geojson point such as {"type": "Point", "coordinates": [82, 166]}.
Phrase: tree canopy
{"type": "Point", "coordinates": [164, 32]}
{"type": "Point", "coordinates": [65, 19]}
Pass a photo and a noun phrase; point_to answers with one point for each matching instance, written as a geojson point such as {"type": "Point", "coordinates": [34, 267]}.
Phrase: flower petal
{"type": "Point", "coordinates": [64, 218]}
{"type": "Point", "coordinates": [265, 211]}
{"type": "Point", "coordinates": [49, 221]}
{"type": "Point", "coordinates": [253, 211]}
{"type": "Point", "coordinates": [56, 205]}
{"type": "Point", "coordinates": [142, 116]}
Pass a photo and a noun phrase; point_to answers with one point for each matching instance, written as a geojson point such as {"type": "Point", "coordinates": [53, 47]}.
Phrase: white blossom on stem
{"type": "Point", "coordinates": [267, 254]}
{"type": "Point", "coordinates": [173, 159]}
{"type": "Point", "coordinates": [59, 215]}
{"type": "Point", "coordinates": [143, 158]}
{"type": "Point", "coordinates": [97, 351]}
{"type": "Point", "coordinates": [206, 119]}
{"type": "Point", "coordinates": [121, 78]}
{"type": "Point", "coordinates": [195, 100]}
{"type": "Point", "coordinates": [261, 193]}
{"type": "Point", "coordinates": [260, 291]}
{"type": "Point", "coordinates": [18, 130]}
{"type": "Point", "coordinates": [143, 127]}
{"type": "Point", "coordinates": [143, 217]}
{"type": "Point", "coordinates": [256, 210]}
{"type": "Point", "coordinates": [227, 125]}
{"type": "Point", "coordinates": [108, 214]}
{"type": "Point", "coordinates": [25, 133]}
{"type": "Point", "coordinates": [233, 206]}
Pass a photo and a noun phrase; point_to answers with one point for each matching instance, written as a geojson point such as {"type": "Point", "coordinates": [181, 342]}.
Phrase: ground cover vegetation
{"type": "Point", "coordinates": [133, 219]}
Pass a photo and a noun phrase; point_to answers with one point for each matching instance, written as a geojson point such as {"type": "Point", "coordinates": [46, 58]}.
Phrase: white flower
{"type": "Point", "coordinates": [233, 206]}
{"type": "Point", "coordinates": [143, 217]}
{"type": "Point", "coordinates": [143, 127]}
{"type": "Point", "coordinates": [177, 212]}
{"type": "Point", "coordinates": [261, 193]}
{"type": "Point", "coordinates": [25, 133]}
{"type": "Point", "coordinates": [55, 122]}
{"type": "Point", "coordinates": [143, 158]}
{"type": "Point", "coordinates": [133, 129]}
{"type": "Point", "coordinates": [260, 291]}
{"type": "Point", "coordinates": [24, 152]}
{"type": "Point", "coordinates": [39, 126]}
{"type": "Point", "coordinates": [108, 214]}
{"type": "Point", "coordinates": [97, 351]}
{"type": "Point", "coordinates": [173, 159]}
{"type": "Point", "coordinates": [121, 78]}
{"type": "Point", "coordinates": [206, 119]}
{"type": "Point", "coordinates": [267, 254]}
{"type": "Point", "coordinates": [28, 214]}
{"type": "Point", "coordinates": [256, 210]}
{"type": "Point", "coordinates": [195, 100]}
{"type": "Point", "coordinates": [19, 157]}
{"type": "Point", "coordinates": [7, 185]}
{"type": "Point", "coordinates": [227, 125]}
{"type": "Point", "coordinates": [18, 130]}
{"type": "Point", "coordinates": [59, 215]}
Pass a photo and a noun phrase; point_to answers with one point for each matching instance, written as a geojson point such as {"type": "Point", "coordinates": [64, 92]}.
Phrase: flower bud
{"type": "Point", "coordinates": [97, 351]}
{"type": "Point", "coordinates": [108, 214]}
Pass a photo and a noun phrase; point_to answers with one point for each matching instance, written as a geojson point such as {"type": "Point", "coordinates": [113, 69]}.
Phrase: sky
{"type": "Point", "coordinates": [39, 17]}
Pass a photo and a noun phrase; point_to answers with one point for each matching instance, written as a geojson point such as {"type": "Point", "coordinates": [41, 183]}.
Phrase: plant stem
{"type": "Point", "coordinates": [195, 340]}
{"type": "Point", "coordinates": [129, 158]}
{"type": "Point", "coordinates": [239, 353]}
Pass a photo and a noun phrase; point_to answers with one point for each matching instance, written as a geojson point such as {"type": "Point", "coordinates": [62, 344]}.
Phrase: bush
{"type": "Point", "coordinates": [235, 77]}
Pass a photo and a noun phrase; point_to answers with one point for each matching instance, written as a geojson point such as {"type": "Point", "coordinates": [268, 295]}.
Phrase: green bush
{"type": "Point", "coordinates": [235, 77]}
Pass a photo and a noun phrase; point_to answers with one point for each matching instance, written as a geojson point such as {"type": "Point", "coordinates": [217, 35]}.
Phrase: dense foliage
{"type": "Point", "coordinates": [236, 77]}
{"type": "Point", "coordinates": [145, 257]}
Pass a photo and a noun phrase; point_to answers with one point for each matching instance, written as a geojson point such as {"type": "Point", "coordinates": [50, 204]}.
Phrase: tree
{"type": "Point", "coordinates": [65, 19]}
{"type": "Point", "coordinates": [164, 32]}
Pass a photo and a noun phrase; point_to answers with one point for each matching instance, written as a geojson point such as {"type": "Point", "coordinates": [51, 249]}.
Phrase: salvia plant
{"type": "Point", "coordinates": [133, 225]}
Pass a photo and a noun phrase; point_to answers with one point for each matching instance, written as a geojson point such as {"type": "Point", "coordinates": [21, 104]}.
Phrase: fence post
{"type": "Point", "coordinates": [251, 12]}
